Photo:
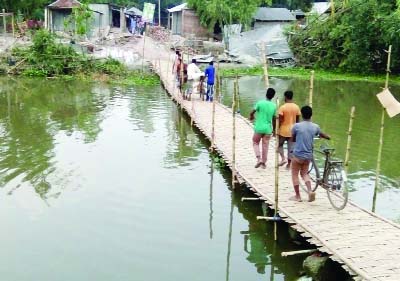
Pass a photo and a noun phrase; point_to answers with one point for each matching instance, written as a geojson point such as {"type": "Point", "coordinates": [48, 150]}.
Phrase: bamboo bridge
{"type": "Point", "coordinates": [365, 244]}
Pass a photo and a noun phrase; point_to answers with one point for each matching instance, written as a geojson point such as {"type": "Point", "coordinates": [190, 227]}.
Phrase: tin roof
{"type": "Point", "coordinates": [273, 14]}
{"type": "Point", "coordinates": [178, 8]}
{"type": "Point", "coordinates": [64, 4]}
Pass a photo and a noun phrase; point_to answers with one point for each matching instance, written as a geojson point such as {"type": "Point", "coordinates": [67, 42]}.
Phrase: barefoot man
{"type": "Point", "coordinates": [264, 126]}
{"type": "Point", "coordinates": [289, 114]}
{"type": "Point", "coordinates": [303, 135]}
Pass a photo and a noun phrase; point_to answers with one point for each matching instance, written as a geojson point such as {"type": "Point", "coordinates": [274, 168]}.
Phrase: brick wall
{"type": "Point", "coordinates": [191, 25]}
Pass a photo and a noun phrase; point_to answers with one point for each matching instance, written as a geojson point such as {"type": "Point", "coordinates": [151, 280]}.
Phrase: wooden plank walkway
{"type": "Point", "coordinates": [366, 245]}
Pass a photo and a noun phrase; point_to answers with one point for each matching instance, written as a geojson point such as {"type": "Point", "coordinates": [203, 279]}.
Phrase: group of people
{"type": "Point", "coordinates": [299, 137]}
{"type": "Point", "coordinates": [194, 79]}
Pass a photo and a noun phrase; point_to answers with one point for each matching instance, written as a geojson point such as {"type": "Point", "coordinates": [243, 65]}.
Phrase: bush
{"type": "Point", "coordinates": [354, 40]}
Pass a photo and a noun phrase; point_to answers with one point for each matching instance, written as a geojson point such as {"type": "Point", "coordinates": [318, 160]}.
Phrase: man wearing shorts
{"type": "Point", "coordinates": [289, 114]}
{"type": "Point", "coordinates": [264, 126]}
{"type": "Point", "coordinates": [303, 134]}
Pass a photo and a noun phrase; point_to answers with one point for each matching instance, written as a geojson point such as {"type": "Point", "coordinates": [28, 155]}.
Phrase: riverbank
{"type": "Point", "coordinates": [302, 73]}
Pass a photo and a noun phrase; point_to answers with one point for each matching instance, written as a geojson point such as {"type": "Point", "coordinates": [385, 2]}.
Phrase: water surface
{"type": "Point", "coordinates": [109, 183]}
{"type": "Point", "coordinates": [332, 101]}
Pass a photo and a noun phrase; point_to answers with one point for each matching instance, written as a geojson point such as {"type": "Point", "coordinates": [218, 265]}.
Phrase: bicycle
{"type": "Point", "coordinates": [333, 178]}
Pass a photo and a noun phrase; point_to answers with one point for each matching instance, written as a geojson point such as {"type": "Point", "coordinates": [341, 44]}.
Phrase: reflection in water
{"type": "Point", "coordinates": [332, 102]}
{"type": "Point", "coordinates": [31, 121]}
{"type": "Point", "coordinates": [211, 196]}
{"type": "Point", "coordinates": [228, 252]}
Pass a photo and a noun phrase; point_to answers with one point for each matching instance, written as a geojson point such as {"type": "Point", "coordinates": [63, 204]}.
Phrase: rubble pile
{"type": "Point", "coordinates": [159, 33]}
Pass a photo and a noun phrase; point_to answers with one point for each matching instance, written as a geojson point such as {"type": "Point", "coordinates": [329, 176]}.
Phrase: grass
{"type": "Point", "coordinates": [302, 73]}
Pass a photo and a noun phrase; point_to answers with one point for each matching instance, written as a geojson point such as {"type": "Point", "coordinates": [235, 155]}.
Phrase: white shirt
{"type": "Point", "coordinates": [194, 72]}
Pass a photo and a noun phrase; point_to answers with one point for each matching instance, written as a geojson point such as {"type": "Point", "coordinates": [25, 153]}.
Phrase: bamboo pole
{"type": "Point", "coordinates": [311, 88]}
{"type": "Point", "coordinates": [13, 24]}
{"type": "Point", "coordinates": [144, 44]}
{"type": "Point", "coordinates": [213, 114]}
{"type": "Point", "coordinates": [234, 135]}
{"type": "Point", "coordinates": [378, 164]}
{"type": "Point", "coordinates": [300, 252]}
{"type": "Point", "coordinates": [349, 135]}
{"type": "Point", "coordinates": [276, 172]}
{"type": "Point", "coordinates": [237, 94]}
{"type": "Point", "coordinates": [4, 23]}
{"type": "Point", "coordinates": [265, 64]}
{"type": "Point", "coordinates": [332, 8]}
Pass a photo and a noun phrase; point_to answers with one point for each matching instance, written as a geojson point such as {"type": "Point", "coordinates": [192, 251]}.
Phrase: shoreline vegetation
{"type": "Point", "coordinates": [49, 59]}
{"type": "Point", "coordinates": [305, 74]}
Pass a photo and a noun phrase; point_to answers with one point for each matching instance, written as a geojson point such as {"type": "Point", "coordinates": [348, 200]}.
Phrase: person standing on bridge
{"type": "Point", "coordinates": [210, 74]}
{"type": "Point", "coordinates": [264, 126]}
{"type": "Point", "coordinates": [289, 114]}
{"type": "Point", "coordinates": [303, 134]}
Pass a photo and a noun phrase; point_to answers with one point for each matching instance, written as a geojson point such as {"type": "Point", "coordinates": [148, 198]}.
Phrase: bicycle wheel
{"type": "Point", "coordinates": [313, 172]}
{"type": "Point", "coordinates": [336, 186]}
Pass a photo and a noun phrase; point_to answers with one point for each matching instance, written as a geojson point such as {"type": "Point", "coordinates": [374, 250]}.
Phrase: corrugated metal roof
{"type": "Point", "coordinates": [178, 8]}
{"type": "Point", "coordinates": [273, 14]}
{"type": "Point", "coordinates": [65, 4]}
{"type": "Point", "coordinates": [134, 11]}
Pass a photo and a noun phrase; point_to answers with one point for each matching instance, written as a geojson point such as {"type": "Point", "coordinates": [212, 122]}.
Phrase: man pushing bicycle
{"type": "Point", "coordinates": [303, 134]}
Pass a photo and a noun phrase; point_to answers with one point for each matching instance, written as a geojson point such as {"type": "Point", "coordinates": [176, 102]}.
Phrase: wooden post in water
{"type": "Point", "coordinates": [348, 146]}
{"type": "Point", "coordinates": [311, 88]}
{"type": "Point", "coordinates": [234, 134]}
{"type": "Point", "coordinates": [276, 171]}
{"type": "Point", "coordinates": [378, 164]}
{"type": "Point", "coordinates": [265, 64]}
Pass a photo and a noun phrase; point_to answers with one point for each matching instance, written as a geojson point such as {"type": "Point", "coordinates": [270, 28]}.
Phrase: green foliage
{"type": "Point", "coordinates": [354, 40]}
{"type": "Point", "coordinates": [137, 78]}
{"type": "Point", "coordinates": [217, 161]}
{"type": "Point", "coordinates": [80, 18]}
{"type": "Point", "coordinates": [110, 66]}
{"type": "Point", "coordinates": [46, 57]}
{"type": "Point", "coordinates": [225, 12]}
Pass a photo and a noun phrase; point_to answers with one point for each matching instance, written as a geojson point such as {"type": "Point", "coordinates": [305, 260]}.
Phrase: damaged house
{"type": "Point", "coordinates": [184, 21]}
{"type": "Point", "coordinates": [105, 16]}
{"type": "Point", "coordinates": [268, 29]}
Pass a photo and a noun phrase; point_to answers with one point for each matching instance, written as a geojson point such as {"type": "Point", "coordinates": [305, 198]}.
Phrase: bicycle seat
{"type": "Point", "coordinates": [327, 150]}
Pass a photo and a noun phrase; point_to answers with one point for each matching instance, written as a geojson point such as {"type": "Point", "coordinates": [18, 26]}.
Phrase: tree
{"type": "Point", "coordinates": [225, 12]}
{"type": "Point", "coordinates": [353, 40]}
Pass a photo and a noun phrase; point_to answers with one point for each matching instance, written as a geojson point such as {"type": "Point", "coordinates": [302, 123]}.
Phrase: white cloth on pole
{"type": "Point", "coordinates": [389, 102]}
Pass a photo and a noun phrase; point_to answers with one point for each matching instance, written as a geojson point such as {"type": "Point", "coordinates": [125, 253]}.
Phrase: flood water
{"type": "Point", "coordinates": [332, 101]}
{"type": "Point", "coordinates": [108, 183]}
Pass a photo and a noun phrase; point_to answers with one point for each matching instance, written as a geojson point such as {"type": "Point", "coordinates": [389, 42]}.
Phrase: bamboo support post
{"type": "Point", "coordinates": [13, 24]}
{"type": "Point", "coordinates": [144, 44]}
{"type": "Point", "coordinates": [237, 94]}
{"type": "Point", "coordinates": [300, 252]}
{"type": "Point", "coordinates": [265, 64]}
{"type": "Point", "coordinates": [349, 135]}
{"type": "Point", "coordinates": [213, 116]}
{"type": "Point", "coordinates": [311, 88]}
{"type": "Point", "coordinates": [234, 135]}
{"type": "Point", "coordinates": [378, 164]}
{"type": "Point", "coordinates": [276, 171]}
{"type": "Point", "coordinates": [4, 22]}
{"type": "Point", "coordinates": [250, 199]}
{"type": "Point", "coordinates": [274, 219]}
{"type": "Point", "coordinates": [332, 8]}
